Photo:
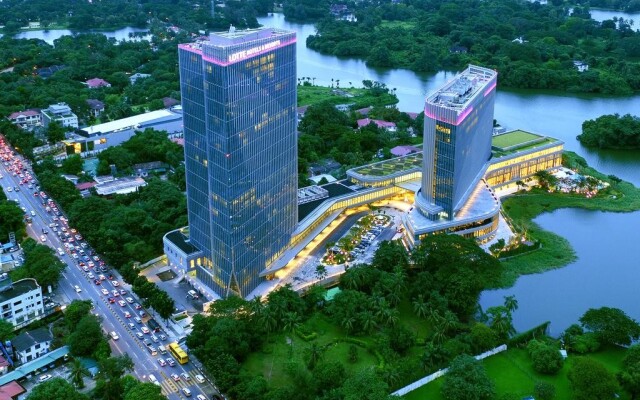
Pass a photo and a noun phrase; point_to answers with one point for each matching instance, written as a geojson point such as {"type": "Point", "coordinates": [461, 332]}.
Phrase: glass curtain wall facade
{"type": "Point", "coordinates": [457, 141]}
{"type": "Point", "coordinates": [239, 104]}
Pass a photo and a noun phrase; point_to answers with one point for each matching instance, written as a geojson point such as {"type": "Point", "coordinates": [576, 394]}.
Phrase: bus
{"type": "Point", "coordinates": [178, 353]}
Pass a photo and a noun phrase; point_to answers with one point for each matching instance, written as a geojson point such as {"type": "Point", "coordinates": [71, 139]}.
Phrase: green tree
{"type": "Point", "coordinates": [144, 391]}
{"type": "Point", "coordinates": [483, 338]}
{"type": "Point", "coordinates": [56, 388]}
{"type": "Point", "coordinates": [55, 132]}
{"type": "Point", "coordinates": [611, 325]}
{"type": "Point", "coordinates": [629, 375]}
{"type": "Point", "coordinates": [77, 374]}
{"type": "Point", "coordinates": [500, 321]}
{"type": "Point", "coordinates": [11, 220]}
{"type": "Point", "coordinates": [6, 330]}
{"type": "Point", "coordinates": [73, 165]}
{"type": "Point", "coordinates": [467, 379]}
{"type": "Point", "coordinates": [365, 385]}
{"type": "Point", "coordinates": [590, 380]}
{"type": "Point", "coordinates": [544, 391]}
{"type": "Point", "coordinates": [75, 311]}
{"type": "Point", "coordinates": [546, 358]}
{"type": "Point", "coordinates": [328, 375]}
{"type": "Point", "coordinates": [85, 337]}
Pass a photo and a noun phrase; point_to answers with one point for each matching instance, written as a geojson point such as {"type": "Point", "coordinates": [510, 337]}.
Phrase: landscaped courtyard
{"type": "Point", "coordinates": [512, 373]}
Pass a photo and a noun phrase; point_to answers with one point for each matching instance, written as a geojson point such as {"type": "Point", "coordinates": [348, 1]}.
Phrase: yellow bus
{"type": "Point", "coordinates": [178, 353]}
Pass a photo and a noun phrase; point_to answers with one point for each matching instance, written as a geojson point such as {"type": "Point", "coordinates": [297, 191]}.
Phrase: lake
{"type": "Point", "coordinates": [555, 114]}
{"type": "Point", "coordinates": [50, 35]}
{"type": "Point", "coordinates": [607, 272]}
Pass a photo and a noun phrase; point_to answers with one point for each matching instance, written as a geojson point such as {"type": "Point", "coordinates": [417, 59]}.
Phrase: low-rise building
{"type": "Point", "coordinates": [32, 344]}
{"type": "Point", "coordinates": [96, 107]}
{"type": "Point", "coordinates": [581, 66]}
{"type": "Point", "coordinates": [137, 76]}
{"type": "Point", "coordinates": [60, 112]}
{"type": "Point", "coordinates": [95, 83]}
{"type": "Point", "coordinates": [11, 391]}
{"type": "Point", "coordinates": [27, 119]}
{"type": "Point", "coordinates": [386, 125]}
{"type": "Point", "coordinates": [20, 302]}
{"type": "Point", "coordinates": [120, 186]}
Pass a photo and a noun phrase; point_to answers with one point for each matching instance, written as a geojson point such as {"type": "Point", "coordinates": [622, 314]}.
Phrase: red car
{"type": "Point", "coordinates": [112, 300]}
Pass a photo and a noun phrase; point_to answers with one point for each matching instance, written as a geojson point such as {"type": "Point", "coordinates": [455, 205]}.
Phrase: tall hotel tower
{"type": "Point", "coordinates": [239, 103]}
{"type": "Point", "coordinates": [458, 126]}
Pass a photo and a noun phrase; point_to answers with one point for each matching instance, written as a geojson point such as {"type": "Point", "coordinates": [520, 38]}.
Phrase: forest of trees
{"type": "Point", "coordinates": [111, 14]}
{"type": "Point", "coordinates": [611, 132]}
{"type": "Point", "coordinates": [433, 35]}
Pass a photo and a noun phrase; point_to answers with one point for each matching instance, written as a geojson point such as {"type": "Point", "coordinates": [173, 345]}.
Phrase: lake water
{"type": "Point", "coordinates": [554, 114]}
{"type": "Point", "coordinates": [602, 15]}
{"type": "Point", "coordinates": [50, 35]}
{"type": "Point", "coordinates": [607, 272]}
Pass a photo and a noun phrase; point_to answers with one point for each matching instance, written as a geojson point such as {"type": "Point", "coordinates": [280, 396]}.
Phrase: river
{"type": "Point", "coordinates": [554, 114]}
{"type": "Point", "coordinates": [605, 274]}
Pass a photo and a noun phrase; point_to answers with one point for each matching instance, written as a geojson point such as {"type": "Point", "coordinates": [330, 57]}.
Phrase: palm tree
{"type": "Point", "coordinates": [368, 321]}
{"type": "Point", "coordinates": [420, 307]}
{"type": "Point", "coordinates": [347, 323]}
{"type": "Point", "coordinates": [78, 372]}
{"type": "Point", "coordinates": [256, 307]}
{"type": "Point", "coordinates": [321, 272]}
{"type": "Point", "coordinates": [290, 321]}
{"type": "Point", "coordinates": [268, 321]}
{"type": "Point", "coordinates": [314, 354]}
{"type": "Point", "coordinates": [510, 303]}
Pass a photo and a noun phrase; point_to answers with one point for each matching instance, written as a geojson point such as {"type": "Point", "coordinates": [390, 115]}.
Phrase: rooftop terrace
{"type": "Point", "coordinates": [517, 141]}
{"type": "Point", "coordinates": [456, 94]}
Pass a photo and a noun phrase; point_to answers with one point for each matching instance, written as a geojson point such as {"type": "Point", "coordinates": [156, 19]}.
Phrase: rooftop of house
{"type": "Point", "coordinates": [26, 340]}
{"type": "Point", "coordinates": [97, 82]}
{"type": "Point", "coordinates": [169, 102]}
{"type": "Point", "coordinates": [379, 123]}
{"type": "Point", "coordinates": [18, 288]}
{"type": "Point", "coordinates": [11, 390]}
{"type": "Point", "coordinates": [25, 113]}
{"type": "Point", "coordinates": [404, 150]}
{"type": "Point", "coordinates": [95, 104]}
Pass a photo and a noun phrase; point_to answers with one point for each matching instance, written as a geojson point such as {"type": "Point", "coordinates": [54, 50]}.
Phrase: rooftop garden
{"type": "Point", "coordinates": [391, 166]}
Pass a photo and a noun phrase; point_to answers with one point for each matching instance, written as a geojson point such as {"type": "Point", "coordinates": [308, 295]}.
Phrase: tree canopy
{"type": "Point", "coordinates": [611, 132]}
{"type": "Point", "coordinates": [611, 325]}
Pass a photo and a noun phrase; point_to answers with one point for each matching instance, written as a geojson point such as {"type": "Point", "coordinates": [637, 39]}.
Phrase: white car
{"type": "Point", "coordinates": [43, 238]}
{"type": "Point", "coordinates": [161, 362]}
{"type": "Point", "coordinates": [114, 335]}
{"type": "Point", "coordinates": [144, 329]}
{"type": "Point", "coordinates": [121, 303]}
{"type": "Point", "coordinates": [104, 292]}
{"type": "Point", "coordinates": [44, 378]}
{"type": "Point", "coordinates": [77, 288]}
{"type": "Point", "coordinates": [90, 276]}
{"type": "Point", "coordinates": [201, 397]}
{"type": "Point", "coordinates": [129, 300]}
{"type": "Point", "coordinates": [60, 251]}
{"type": "Point", "coordinates": [115, 283]}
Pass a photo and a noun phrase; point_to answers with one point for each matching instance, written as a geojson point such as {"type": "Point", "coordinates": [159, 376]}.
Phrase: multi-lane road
{"type": "Point", "coordinates": [112, 314]}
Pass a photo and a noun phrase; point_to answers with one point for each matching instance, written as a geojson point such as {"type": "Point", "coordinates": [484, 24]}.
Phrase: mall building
{"type": "Point", "coordinates": [241, 233]}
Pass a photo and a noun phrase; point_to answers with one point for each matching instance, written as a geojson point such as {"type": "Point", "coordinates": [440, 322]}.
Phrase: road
{"type": "Point", "coordinates": [112, 315]}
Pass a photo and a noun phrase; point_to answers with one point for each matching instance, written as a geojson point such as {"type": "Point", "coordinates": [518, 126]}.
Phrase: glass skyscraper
{"type": "Point", "coordinates": [458, 126]}
{"type": "Point", "coordinates": [239, 103]}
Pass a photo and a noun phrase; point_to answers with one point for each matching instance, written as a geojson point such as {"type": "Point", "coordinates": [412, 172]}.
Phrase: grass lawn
{"type": "Point", "coordinates": [308, 95]}
{"type": "Point", "coordinates": [556, 251]}
{"type": "Point", "coordinates": [283, 349]}
{"type": "Point", "coordinates": [511, 372]}
{"type": "Point", "coordinates": [273, 360]}
{"type": "Point", "coordinates": [513, 138]}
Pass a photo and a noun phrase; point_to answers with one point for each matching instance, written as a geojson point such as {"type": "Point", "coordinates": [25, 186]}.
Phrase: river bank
{"type": "Point", "coordinates": [556, 251]}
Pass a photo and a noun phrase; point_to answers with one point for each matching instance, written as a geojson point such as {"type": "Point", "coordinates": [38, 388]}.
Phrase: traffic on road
{"type": "Point", "coordinates": [157, 357]}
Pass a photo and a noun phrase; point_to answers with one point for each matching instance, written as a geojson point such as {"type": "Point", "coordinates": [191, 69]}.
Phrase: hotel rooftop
{"type": "Point", "coordinates": [457, 94]}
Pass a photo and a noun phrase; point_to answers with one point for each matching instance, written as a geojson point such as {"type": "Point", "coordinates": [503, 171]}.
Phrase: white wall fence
{"type": "Point", "coordinates": [430, 378]}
